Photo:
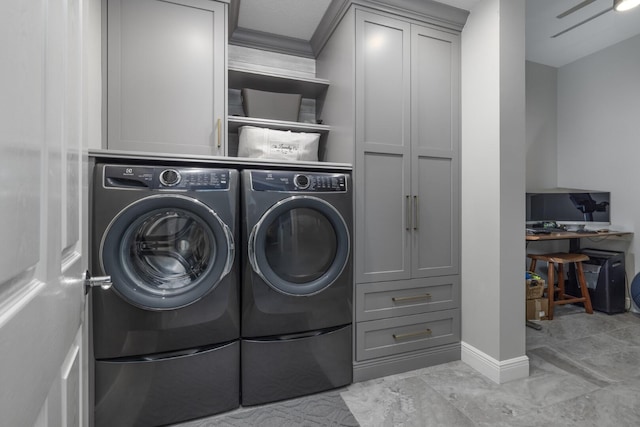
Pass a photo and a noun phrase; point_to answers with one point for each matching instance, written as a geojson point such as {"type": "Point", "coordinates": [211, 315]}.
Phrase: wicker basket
{"type": "Point", "coordinates": [535, 289]}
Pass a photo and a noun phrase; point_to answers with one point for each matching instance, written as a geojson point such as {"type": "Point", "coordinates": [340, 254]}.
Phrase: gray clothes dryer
{"type": "Point", "coordinates": [166, 334]}
{"type": "Point", "coordinates": [296, 284]}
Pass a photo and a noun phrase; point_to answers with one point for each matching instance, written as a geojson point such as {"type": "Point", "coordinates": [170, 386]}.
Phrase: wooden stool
{"type": "Point", "coordinates": [561, 258]}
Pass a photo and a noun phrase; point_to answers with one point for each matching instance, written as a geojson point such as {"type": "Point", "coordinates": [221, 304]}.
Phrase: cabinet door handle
{"type": "Point", "coordinates": [411, 298]}
{"type": "Point", "coordinates": [415, 212]}
{"type": "Point", "coordinates": [412, 334]}
{"type": "Point", "coordinates": [407, 213]}
{"type": "Point", "coordinates": [219, 124]}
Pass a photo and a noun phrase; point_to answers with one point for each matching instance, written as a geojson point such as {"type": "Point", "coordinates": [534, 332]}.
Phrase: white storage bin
{"type": "Point", "coordinates": [263, 143]}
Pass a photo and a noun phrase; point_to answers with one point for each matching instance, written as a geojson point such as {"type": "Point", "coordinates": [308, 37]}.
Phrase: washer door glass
{"type": "Point", "coordinates": [165, 252]}
{"type": "Point", "coordinates": [300, 246]}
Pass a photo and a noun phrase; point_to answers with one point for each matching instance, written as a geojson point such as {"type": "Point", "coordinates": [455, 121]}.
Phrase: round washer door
{"type": "Point", "coordinates": [166, 251]}
{"type": "Point", "coordinates": [300, 246]}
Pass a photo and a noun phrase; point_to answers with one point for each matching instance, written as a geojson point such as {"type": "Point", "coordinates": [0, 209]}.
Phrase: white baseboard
{"type": "Point", "coordinates": [498, 371]}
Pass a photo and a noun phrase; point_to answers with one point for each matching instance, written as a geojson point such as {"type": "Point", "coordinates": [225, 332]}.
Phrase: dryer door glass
{"type": "Point", "coordinates": [165, 252]}
{"type": "Point", "coordinates": [300, 246]}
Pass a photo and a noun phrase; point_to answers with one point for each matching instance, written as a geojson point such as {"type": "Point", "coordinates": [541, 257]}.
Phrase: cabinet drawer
{"type": "Point", "coordinates": [386, 337]}
{"type": "Point", "coordinates": [402, 298]}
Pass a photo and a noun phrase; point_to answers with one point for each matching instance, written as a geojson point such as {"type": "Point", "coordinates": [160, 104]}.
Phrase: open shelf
{"type": "Point", "coordinates": [308, 87]}
{"type": "Point", "coordinates": [234, 122]}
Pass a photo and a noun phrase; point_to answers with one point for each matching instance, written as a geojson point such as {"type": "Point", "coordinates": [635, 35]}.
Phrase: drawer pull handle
{"type": "Point", "coordinates": [411, 298]}
{"type": "Point", "coordinates": [412, 334]}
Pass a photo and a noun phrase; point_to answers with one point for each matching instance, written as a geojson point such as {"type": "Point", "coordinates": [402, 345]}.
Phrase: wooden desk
{"type": "Point", "coordinates": [574, 245]}
{"type": "Point", "coordinates": [574, 237]}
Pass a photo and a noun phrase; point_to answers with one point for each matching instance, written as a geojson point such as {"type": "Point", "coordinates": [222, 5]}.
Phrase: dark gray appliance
{"type": "Point", "coordinates": [605, 276]}
{"type": "Point", "coordinates": [296, 284]}
{"type": "Point", "coordinates": [166, 334]}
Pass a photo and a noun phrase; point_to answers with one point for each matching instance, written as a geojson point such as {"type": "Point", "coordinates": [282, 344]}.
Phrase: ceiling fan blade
{"type": "Point", "coordinates": [582, 22]}
{"type": "Point", "coordinates": [575, 8]}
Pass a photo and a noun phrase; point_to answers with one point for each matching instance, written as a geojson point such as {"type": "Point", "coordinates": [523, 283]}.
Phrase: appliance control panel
{"type": "Point", "coordinates": [159, 178]}
{"type": "Point", "coordinates": [291, 181]}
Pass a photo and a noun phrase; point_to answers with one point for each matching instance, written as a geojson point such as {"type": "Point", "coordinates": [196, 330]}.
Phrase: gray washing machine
{"type": "Point", "coordinates": [296, 284]}
{"type": "Point", "coordinates": [166, 334]}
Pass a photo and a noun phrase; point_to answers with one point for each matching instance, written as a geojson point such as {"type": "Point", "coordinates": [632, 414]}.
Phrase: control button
{"type": "Point", "coordinates": [169, 177]}
{"type": "Point", "coordinates": [301, 181]}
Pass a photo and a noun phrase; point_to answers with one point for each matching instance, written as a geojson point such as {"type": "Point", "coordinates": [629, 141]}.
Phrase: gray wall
{"type": "Point", "coordinates": [512, 177]}
{"type": "Point", "coordinates": [598, 128]}
{"type": "Point", "coordinates": [542, 126]}
{"type": "Point", "coordinates": [542, 141]}
{"type": "Point", "coordinates": [599, 134]}
{"type": "Point", "coordinates": [493, 177]}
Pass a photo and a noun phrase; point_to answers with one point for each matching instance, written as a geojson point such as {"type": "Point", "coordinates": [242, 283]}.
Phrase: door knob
{"type": "Point", "coordinates": [91, 282]}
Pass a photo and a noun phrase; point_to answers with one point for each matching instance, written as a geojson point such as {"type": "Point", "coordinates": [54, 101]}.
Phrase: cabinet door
{"type": "Point", "coordinates": [166, 76]}
{"type": "Point", "coordinates": [383, 174]}
{"type": "Point", "coordinates": [435, 152]}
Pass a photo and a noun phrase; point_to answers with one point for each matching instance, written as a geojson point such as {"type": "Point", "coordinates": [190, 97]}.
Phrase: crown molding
{"type": "Point", "coordinates": [427, 11]}
{"type": "Point", "coordinates": [271, 42]}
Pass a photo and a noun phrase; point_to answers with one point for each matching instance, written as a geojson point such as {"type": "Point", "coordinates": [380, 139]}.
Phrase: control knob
{"type": "Point", "coordinates": [301, 181]}
{"type": "Point", "coordinates": [170, 177]}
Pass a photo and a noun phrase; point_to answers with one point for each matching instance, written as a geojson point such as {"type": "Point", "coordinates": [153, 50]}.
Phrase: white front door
{"type": "Point", "coordinates": [43, 212]}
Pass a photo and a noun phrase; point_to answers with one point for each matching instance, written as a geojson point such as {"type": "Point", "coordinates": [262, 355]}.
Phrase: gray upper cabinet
{"type": "Point", "coordinates": [166, 90]}
{"type": "Point", "coordinates": [406, 155]}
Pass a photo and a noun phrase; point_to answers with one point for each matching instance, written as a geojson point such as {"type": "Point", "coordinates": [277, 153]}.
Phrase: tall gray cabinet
{"type": "Point", "coordinates": [166, 88]}
{"type": "Point", "coordinates": [394, 109]}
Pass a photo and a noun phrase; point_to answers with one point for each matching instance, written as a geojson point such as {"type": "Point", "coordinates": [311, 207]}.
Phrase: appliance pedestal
{"type": "Point", "coordinates": [278, 368]}
{"type": "Point", "coordinates": [164, 390]}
